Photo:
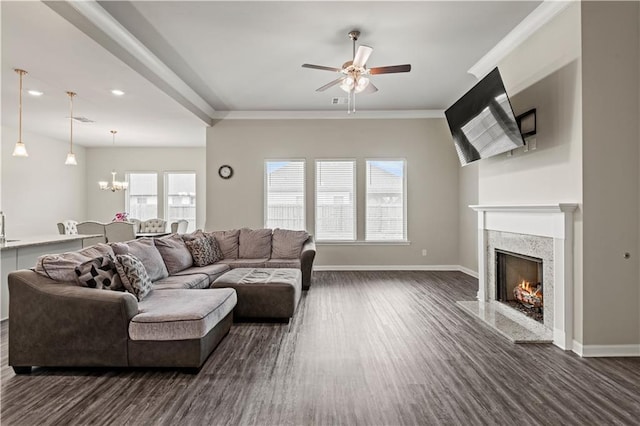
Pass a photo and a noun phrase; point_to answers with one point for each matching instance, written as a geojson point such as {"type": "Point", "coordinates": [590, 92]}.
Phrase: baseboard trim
{"type": "Point", "coordinates": [395, 268]}
{"type": "Point", "coordinates": [602, 351]}
{"type": "Point", "coordinates": [468, 271]}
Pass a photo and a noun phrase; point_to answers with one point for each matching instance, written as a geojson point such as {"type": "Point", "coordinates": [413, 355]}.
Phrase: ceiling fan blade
{"type": "Point", "coordinates": [390, 69]}
{"type": "Point", "coordinates": [321, 67]}
{"type": "Point", "coordinates": [331, 84]}
{"type": "Point", "coordinates": [370, 88]}
{"type": "Point", "coordinates": [362, 55]}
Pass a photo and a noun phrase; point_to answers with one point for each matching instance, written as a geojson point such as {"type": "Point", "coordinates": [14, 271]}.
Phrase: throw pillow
{"type": "Point", "coordinates": [145, 250]}
{"type": "Point", "coordinates": [100, 273]}
{"type": "Point", "coordinates": [193, 235]}
{"type": "Point", "coordinates": [120, 248]}
{"type": "Point", "coordinates": [228, 242]}
{"type": "Point", "coordinates": [255, 243]}
{"type": "Point", "coordinates": [202, 251]}
{"type": "Point", "coordinates": [133, 275]}
{"type": "Point", "coordinates": [62, 267]}
{"type": "Point", "coordinates": [174, 252]}
{"type": "Point", "coordinates": [287, 244]}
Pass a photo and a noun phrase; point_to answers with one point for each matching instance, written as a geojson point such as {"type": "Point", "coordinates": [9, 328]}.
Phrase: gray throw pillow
{"type": "Point", "coordinates": [133, 275]}
{"type": "Point", "coordinates": [287, 244]}
{"type": "Point", "coordinates": [193, 235]}
{"type": "Point", "coordinates": [255, 243]}
{"type": "Point", "coordinates": [145, 250]}
{"type": "Point", "coordinates": [228, 242]}
{"type": "Point", "coordinates": [99, 273]}
{"type": "Point", "coordinates": [174, 252]}
{"type": "Point", "coordinates": [62, 267]}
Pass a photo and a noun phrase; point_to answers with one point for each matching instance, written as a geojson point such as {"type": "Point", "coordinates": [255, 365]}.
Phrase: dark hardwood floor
{"type": "Point", "coordinates": [374, 348]}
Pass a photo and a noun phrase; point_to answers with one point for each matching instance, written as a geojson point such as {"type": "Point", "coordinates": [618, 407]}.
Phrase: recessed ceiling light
{"type": "Point", "coordinates": [35, 92]}
{"type": "Point", "coordinates": [117, 92]}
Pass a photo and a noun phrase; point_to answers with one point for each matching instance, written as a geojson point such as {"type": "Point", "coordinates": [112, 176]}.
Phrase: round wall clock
{"type": "Point", "coordinates": [225, 171]}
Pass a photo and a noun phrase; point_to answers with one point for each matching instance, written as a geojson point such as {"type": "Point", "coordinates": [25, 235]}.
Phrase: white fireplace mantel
{"type": "Point", "coordinates": [546, 220]}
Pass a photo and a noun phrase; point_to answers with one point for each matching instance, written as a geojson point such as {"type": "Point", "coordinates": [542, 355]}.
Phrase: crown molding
{"type": "Point", "coordinates": [326, 115]}
{"type": "Point", "coordinates": [529, 25]}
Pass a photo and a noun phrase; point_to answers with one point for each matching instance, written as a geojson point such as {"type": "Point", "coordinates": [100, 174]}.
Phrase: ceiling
{"type": "Point", "coordinates": [232, 57]}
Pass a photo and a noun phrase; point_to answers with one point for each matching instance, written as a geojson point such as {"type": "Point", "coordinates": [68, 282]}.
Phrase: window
{"type": "Point", "coordinates": [386, 203]}
{"type": "Point", "coordinates": [141, 201]}
{"type": "Point", "coordinates": [335, 200]}
{"type": "Point", "coordinates": [284, 194]}
{"type": "Point", "coordinates": [180, 197]}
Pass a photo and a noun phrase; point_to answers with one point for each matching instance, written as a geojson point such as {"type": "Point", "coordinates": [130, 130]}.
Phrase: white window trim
{"type": "Point", "coordinates": [404, 201]}
{"type": "Point", "coordinates": [355, 200]}
{"type": "Point", "coordinates": [126, 191]}
{"type": "Point", "coordinates": [165, 183]}
{"type": "Point", "coordinates": [265, 208]}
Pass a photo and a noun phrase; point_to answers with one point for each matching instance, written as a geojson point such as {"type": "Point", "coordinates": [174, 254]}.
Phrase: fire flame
{"type": "Point", "coordinates": [530, 288]}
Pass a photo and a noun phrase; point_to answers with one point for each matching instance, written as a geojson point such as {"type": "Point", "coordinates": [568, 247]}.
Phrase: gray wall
{"type": "Point", "coordinates": [610, 57]}
{"type": "Point", "coordinates": [102, 205]}
{"type": "Point", "coordinates": [40, 191]}
{"type": "Point", "coordinates": [432, 185]}
{"type": "Point", "coordinates": [545, 72]}
{"type": "Point", "coordinates": [467, 218]}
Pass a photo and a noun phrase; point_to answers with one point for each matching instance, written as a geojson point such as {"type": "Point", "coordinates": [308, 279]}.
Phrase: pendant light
{"type": "Point", "coordinates": [20, 150]}
{"type": "Point", "coordinates": [71, 157]}
{"type": "Point", "coordinates": [115, 185]}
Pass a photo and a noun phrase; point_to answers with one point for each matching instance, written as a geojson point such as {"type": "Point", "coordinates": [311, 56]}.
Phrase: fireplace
{"type": "Point", "coordinates": [519, 283]}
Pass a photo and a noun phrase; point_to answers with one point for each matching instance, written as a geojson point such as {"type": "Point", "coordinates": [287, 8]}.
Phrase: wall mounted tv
{"type": "Point", "coordinates": [482, 122]}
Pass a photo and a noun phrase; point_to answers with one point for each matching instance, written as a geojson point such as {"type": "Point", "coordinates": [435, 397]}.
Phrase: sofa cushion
{"type": "Point", "coordinates": [245, 263]}
{"type": "Point", "coordinates": [133, 275]}
{"type": "Point", "coordinates": [145, 250]}
{"type": "Point", "coordinates": [193, 235]}
{"type": "Point", "coordinates": [99, 273]}
{"type": "Point", "coordinates": [287, 243]}
{"type": "Point", "coordinates": [62, 267]}
{"type": "Point", "coordinates": [282, 263]}
{"type": "Point", "coordinates": [182, 281]}
{"type": "Point", "coordinates": [212, 271]}
{"type": "Point", "coordinates": [228, 242]}
{"type": "Point", "coordinates": [255, 243]}
{"type": "Point", "coordinates": [174, 252]}
{"type": "Point", "coordinates": [181, 314]}
{"type": "Point", "coordinates": [119, 248]}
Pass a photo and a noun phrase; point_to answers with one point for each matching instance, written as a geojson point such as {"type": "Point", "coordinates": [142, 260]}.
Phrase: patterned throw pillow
{"type": "Point", "coordinates": [100, 273]}
{"type": "Point", "coordinates": [134, 276]}
{"type": "Point", "coordinates": [215, 247]}
{"type": "Point", "coordinates": [203, 251]}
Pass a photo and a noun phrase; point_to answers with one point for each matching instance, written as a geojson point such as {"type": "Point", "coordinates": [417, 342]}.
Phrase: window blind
{"type": "Point", "coordinates": [385, 212]}
{"type": "Point", "coordinates": [142, 196]}
{"type": "Point", "coordinates": [180, 198]}
{"type": "Point", "coordinates": [284, 194]}
{"type": "Point", "coordinates": [335, 200]}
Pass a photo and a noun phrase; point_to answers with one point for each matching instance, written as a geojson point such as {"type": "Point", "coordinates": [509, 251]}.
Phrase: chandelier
{"type": "Point", "coordinates": [115, 185]}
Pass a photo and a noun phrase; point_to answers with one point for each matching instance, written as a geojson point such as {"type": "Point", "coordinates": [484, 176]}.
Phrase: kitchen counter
{"type": "Point", "coordinates": [42, 240]}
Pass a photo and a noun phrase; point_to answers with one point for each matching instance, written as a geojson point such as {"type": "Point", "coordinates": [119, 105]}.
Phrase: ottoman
{"type": "Point", "coordinates": [269, 293]}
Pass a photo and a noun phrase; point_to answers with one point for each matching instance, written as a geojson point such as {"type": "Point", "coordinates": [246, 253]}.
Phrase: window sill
{"type": "Point", "coordinates": [363, 243]}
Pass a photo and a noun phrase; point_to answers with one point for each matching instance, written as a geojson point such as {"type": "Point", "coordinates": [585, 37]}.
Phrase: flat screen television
{"type": "Point", "coordinates": [482, 122]}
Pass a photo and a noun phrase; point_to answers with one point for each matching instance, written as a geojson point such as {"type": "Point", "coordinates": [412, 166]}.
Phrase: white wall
{"type": "Point", "coordinates": [40, 191]}
{"type": "Point", "coordinates": [611, 145]}
{"type": "Point", "coordinates": [103, 205]}
{"type": "Point", "coordinates": [432, 182]}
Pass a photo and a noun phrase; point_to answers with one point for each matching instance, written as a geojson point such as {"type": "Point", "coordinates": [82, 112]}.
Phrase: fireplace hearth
{"type": "Point", "coordinates": [519, 283]}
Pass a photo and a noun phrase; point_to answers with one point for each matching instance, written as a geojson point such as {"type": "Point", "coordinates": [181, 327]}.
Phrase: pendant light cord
{"type": "Point", "coordinates": [71, 95]}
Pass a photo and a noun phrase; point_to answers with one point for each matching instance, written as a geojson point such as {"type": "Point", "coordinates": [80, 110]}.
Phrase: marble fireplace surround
{"type": "Point", "coordinates": [549, 230]}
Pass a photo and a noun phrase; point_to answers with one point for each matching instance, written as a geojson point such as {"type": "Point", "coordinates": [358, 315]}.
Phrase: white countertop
{"type": "Point", "coordinates": [43, 240]}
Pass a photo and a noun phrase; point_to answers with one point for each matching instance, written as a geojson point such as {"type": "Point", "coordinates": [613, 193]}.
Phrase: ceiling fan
{"type": "Point", "coordinates": [354, 73]}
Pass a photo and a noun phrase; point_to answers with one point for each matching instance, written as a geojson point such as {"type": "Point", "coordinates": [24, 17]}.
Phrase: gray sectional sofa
{"type": "Point", "coordinates": [54, 321]}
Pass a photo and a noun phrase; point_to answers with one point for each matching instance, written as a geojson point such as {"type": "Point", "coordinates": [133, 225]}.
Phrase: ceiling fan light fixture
{"type": "Point", "coordinates": [362, 84]}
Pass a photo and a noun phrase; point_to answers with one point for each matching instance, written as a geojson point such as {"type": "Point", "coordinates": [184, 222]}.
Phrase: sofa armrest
{"type": "Point", "coordinates": [307, 256]}
{"type": "Point", "coordinates": [60, 324]}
